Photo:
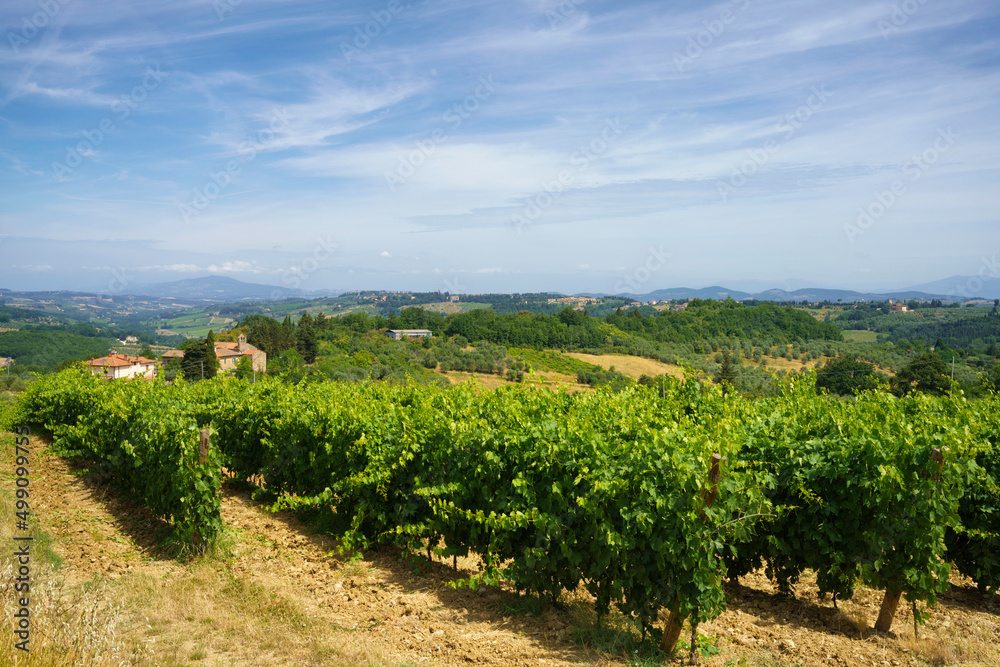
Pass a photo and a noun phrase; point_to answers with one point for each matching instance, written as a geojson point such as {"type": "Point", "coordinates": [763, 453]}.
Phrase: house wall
{"type": "Point", "coordinates": [259, 361]}
{"type": "Point", "coordinates": [143, 370]}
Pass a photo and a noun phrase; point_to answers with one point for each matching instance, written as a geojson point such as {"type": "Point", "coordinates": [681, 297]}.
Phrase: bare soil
{"type": "Point", "coordinates": [281, 595]}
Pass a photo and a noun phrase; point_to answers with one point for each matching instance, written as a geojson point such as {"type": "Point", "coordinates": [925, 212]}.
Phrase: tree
{"type": "Point", "coordinates": [926, 374]}
{"type": "Point", "coordinates": [197, 364]}
{"type": "Point", "coordinates": [244, 368]}
{"type": "Point", "coordinates": [211, 361]}
{"type": "Point", "coordinates": [846, 376]}
{"type": "Point", "coordinates": [287, 334]}
{"type": "Point", "coordinates": [287, 365]}
{"type": "Point", "coordinates": [174, 369]}
{"type": "Point", "coordinates": [147, 352]}
{"type": "Point", "coordinates": [306, 342]}
{"type": "Point", "coordinates": [193, 363]}
{"type": "Point", "coordinates": [727, 374]}
{"type": "Point", "coordinates": [264, 333]}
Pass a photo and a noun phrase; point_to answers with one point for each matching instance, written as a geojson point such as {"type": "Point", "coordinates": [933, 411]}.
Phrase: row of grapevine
{"type": "Point", "coordinates": [974, 547]}
{"type": "Point", "coordinates": [863, 491]}
{"type": "Point", "coordinates": [143, 434]}
{"type": "Point", "coordinates": [550, 489]}
{"type": "Point", "coordinates": [606, 490]}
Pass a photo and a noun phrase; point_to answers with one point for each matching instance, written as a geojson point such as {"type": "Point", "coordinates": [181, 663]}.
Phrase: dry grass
{"type": "Point", "coordinates": [633, 367]}
{"type": "Point", "coordinates": [487, 380]}
{"type": "Point", "coordinates": [975, 645]}
{"type": "Point", "coordinates": [202, 612]}
{"type": "Point", "coordinates": [81, 626]}
{"type": "Point", "coordinates": [78, 626]}
{"type": "Point", "coordinates": [214, 615]}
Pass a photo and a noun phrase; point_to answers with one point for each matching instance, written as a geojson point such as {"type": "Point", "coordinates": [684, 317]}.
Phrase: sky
{"type": "Point", "coordinates": [509, 146]}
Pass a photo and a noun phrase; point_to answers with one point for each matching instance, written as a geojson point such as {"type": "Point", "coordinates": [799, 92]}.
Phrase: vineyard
{"type": "Point", "coordinates": [647, 498]}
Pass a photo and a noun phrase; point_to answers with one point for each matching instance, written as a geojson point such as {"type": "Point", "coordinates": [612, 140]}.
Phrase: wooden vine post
{"type": "Point", "coordinates": [203, 446]}
{"type": "Point", "coordinates": [890, 603]}
{"type": "Point", "coordinates": [672, 631]}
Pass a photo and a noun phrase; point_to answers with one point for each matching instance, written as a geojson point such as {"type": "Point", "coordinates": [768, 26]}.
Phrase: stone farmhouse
{"type": "Point", "coordinates": [121, 366]}
{"type": "Point", "coordinates": [229, 354]}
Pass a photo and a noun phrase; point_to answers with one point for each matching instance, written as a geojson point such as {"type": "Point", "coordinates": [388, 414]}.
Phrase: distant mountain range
{"type": "Point", "coordinates": [967, 287]}
{"type": "Point", "coordinates": [956, 288]}
{"type": "Point", "coordinates": [220, 289]}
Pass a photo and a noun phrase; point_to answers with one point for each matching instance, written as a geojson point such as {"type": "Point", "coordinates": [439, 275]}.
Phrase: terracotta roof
{"type": "Point", "coordinates": [226, 344]}
{"type": "Point", "coordinates": [173, 354]}
{"type": "Point", "coordinates": [110, 360]}
{"type": "Point", "coordinates": [118, 360]}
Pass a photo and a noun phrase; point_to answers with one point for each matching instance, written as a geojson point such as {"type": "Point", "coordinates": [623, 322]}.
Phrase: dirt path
{"type": "Point", "coordinates": [280, 595]}
{"type": "Point", "coordinates": [329, 610]}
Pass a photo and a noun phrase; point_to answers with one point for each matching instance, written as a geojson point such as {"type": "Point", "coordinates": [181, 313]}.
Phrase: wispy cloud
{"type": "Point", "coordinates": [561, 68]}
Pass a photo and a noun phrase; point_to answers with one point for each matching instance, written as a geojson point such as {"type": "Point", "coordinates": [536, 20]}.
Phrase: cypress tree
{"type": "Point", "coordinates": [305, 339]}
{"type": "Point", "coordinates": [287, 334]}
{"type": "Point", "coordinates": [211, 361]}
{"type": "Point", "coordinates": [726, 375]}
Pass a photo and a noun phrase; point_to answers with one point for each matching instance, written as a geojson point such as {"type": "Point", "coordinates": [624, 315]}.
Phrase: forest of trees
{"type": "Point", "coordinates": [44, 350]}
{"type": "Point", "coordinates": [963, 328]}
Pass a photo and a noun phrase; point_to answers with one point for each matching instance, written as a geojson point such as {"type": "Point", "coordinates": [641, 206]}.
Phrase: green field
{"type": "Point", "coordinates": [551, 360]}
{"type": "Point", "coordinates": [860, 336]}
{"type": "Point", "coordinates": [196, 324]}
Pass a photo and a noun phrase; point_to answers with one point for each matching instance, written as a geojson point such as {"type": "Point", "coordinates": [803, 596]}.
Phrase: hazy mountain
{"type": "Point", "coordinates": [834, 295]}
{"type": "Point", "coordinates": [220, 289]}
{"type": "Point", "coordinates": [713, 292]}
{"type": "Point", "coordinates": [969, 287]}
{"type": "Point", "coordinates": [808, 294]}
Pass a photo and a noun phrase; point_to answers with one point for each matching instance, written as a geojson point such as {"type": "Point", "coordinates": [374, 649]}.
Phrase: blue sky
{"type": "Point", "coordinates": [522, 145]}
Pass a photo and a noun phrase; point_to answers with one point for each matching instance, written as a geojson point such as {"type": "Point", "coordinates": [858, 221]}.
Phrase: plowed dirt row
{"type": "Point", "coordinates": [280, 595]}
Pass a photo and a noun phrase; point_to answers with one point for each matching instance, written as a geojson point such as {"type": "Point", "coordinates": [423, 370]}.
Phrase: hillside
{"type": "Point", "coordinates": [218, 289]}
{"type": "Point", "coordinates": [46, 349]}
{"type": "Point", "coordinates": [277, 593]}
